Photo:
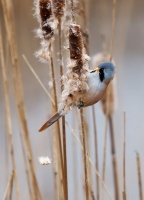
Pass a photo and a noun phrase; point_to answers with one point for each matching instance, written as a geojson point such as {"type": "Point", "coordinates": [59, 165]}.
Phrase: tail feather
{"type": "Point", "coordinates": [50, 121]}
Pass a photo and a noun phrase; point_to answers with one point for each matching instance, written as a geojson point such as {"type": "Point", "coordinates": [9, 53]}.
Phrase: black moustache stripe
{"type": "Point", "coordinates": [101, 74]}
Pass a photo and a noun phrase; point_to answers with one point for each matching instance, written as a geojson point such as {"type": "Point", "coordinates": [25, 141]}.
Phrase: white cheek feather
{"type": "Point", "coordinates": [96, 89]}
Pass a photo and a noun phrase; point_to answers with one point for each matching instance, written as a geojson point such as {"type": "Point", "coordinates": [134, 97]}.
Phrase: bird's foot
{"type": "Point", "coordinates": [80, 104]}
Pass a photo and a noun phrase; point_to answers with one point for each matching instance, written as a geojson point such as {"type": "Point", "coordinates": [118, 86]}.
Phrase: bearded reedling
{"type": "Point", "coordinates": [97, 81]}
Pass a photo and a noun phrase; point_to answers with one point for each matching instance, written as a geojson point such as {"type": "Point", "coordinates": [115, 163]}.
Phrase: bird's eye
{"type": "Point", "coordinates": [92, 71]}
{"type": "Point", "coordinates": [101, 74]}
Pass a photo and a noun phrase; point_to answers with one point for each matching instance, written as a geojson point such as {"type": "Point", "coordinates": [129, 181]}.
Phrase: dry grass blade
{"type": "Point", "coordinates": [8, 115]}
{"type": "Point", "coordinates": [8, 186]}
{"type": "Point", "coordinates": [38, 79]}
{"type": "Point", "coordinates": [139, 176]}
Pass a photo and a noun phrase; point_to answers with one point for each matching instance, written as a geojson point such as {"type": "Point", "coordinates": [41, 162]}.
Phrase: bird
{"type": "Point", "coordinates": [97, 80]}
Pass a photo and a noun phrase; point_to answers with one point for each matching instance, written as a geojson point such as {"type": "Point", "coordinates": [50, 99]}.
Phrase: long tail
{"type": "Point", "coordinates": [50, 121]}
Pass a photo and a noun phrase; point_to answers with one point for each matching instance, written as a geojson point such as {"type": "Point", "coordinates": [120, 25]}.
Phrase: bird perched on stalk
{"type": "Point", "coordinates": [97, 80]}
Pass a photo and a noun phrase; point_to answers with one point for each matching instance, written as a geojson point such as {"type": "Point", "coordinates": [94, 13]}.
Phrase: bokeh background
{"type": "Point", "coordinates": [129, 58]}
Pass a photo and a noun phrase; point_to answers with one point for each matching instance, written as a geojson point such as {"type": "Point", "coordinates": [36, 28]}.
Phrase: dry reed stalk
{"type": "Point", "coordinates": [104, 147]}
{"type": "Point", "coordinates": [96, 153]}
{"type": "Point", "coordinates": [139, 176]}
{"type": "Point", "coordinates": [26, 164]}
{"type": "Point", "coordinates": [84, 155]}
{"type": "Point", "coordinates": [90, 161]}
{"type": "Point", "coordinates": [11, 190]}
{"type": "Point", "coordinates": [58, 126]}
{"type": "Point", "coordinates": [124, 160]}
{"type": "Point", "coordinates": [10, 30]}
{"type": "Point", "coordinates": [8, 185]}
{"type": "Point", "coordinates": [8, 115]}
{"type": "Point", "coordinates": [48, 24]}
{"type": "Point", "coordinates": [55, 157]}
{"type": "Point", "coordinates": [58, 10]}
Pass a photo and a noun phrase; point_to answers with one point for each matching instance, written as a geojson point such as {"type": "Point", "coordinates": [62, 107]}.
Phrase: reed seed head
{"type": "Point", "coordinates": [74, 80]}
{"type": "Point", "coordinates": [58, 8]}
{"type": "Point", "coordinates": [75, 41]}
{"type": "Point", "coordinates": [48, 24]}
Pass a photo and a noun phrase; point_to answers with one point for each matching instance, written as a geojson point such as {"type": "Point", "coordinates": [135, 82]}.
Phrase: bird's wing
{"type": "Point", "coordinates": [50, 121]}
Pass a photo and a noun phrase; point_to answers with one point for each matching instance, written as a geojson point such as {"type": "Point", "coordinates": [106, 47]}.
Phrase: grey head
{"type": "Point", "coordinates": [106, 71]}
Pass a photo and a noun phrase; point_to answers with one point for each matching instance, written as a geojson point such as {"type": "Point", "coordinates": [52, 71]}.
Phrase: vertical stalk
{"type": "Point", "coordinates": [84, 155]}
{"type": "Point", "coordinates": [124, 160]}
{"type": "Point", "coordinates": [139, 176]}
{"type": "Point", "coordinates": [96, 152]}
{"type": "Point", "coordinates": [63, 118]}
{"type": "Point", "coordinates": [56, 108]}
{"type": "Point", "coordinates": [114, 161]}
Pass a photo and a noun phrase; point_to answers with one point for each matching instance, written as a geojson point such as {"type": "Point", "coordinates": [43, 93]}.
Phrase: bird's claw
{"type": "Point", "coordinates": [80, 105]}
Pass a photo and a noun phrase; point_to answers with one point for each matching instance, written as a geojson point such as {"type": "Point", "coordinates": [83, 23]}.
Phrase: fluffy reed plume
{"type": "Point", "coordinates": [74, 80]}
{"type": "Point", "coordinates": [48, 24]}
{"type": "Point", "coordinates": [58, 8]}
{"type": "Point", "coordinates": [97, 59]}
{"type": "Point", "coordinates": [44, 160]}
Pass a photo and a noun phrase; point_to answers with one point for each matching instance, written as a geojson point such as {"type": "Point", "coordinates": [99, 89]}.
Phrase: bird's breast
{"type": "Point", "coordinates": [95, 92]}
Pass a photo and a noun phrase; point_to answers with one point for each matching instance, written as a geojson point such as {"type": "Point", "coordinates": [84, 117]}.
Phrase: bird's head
{"type": "Point", "coordinates": [106, 71]}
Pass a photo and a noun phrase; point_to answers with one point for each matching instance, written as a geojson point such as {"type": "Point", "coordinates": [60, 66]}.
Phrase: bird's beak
{"type": "Point", "coordinates": [97, 69]}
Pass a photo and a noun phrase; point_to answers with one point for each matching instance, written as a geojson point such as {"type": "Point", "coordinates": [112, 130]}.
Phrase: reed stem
{"type": "Point", "coordinates": [63, 118]}
{"type": "Point", "coordinates": [84, 155]}
{"type": "Point", "coordinates": [124, 160]}
{"type": "Point", "coordinates": [139, 176]}
{"type": "Point", "coordinates": [8, 185]}
{"type": "Point", "coordinates": [96, 152]}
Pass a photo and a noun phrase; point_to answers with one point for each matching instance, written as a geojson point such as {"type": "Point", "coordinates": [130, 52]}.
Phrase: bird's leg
{"type": "Point", "coordinates": [80, 104]}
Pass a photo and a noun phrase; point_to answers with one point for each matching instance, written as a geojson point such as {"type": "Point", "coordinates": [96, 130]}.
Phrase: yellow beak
{"type": "Point", "coordinates": [97, 69]}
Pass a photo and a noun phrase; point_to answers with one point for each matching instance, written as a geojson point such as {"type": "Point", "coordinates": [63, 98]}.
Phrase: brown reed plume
{"type": "Point", "coordinates": [10, 31]}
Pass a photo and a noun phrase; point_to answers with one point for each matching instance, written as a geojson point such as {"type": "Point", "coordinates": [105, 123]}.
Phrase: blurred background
{"type": "Point", "coordinates": [129, 58]}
